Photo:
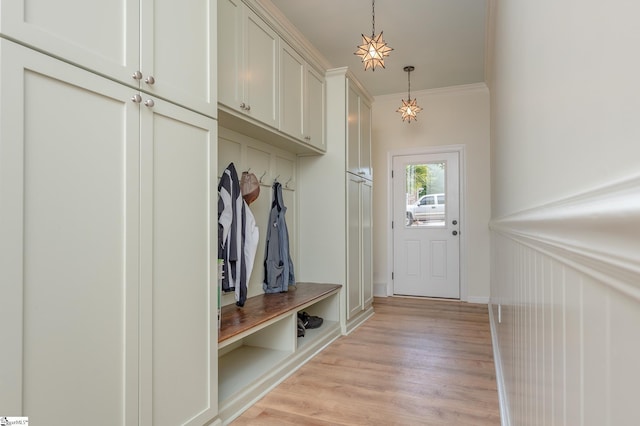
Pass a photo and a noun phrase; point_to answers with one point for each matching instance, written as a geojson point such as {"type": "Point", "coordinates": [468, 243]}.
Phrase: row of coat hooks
{"type": "Point", "coordinates": [261, 179]}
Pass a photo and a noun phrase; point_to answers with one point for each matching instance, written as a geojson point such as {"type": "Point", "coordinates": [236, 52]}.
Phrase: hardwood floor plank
{"type": "Point", "coordinates": [415, 362]}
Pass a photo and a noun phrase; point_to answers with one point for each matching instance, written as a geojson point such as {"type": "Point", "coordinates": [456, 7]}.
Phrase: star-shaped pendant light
{"type": "Point", "coordinates": [373, 49]}
{"type": "Point", "coordinates": [410, 107]}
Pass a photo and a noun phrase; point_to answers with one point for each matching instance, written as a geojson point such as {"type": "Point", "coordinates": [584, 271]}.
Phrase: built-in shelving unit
{"type": "Point", "coordinates": [258, 345]}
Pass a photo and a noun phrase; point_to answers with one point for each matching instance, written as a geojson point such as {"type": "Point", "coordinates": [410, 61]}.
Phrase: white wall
{"type": "Point", "coordinates": [450, 116]}
{"type": "Point", "coordinates": [565, 97]}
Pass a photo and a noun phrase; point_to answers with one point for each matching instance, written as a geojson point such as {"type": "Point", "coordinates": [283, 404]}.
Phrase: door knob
{"type": "Point", "coordinates": [455, 232]}
{"type": "Point", "coordinates": [455, 222]}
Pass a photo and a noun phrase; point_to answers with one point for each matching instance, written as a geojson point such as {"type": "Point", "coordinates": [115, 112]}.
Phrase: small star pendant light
{"type": "Point", "coordinates": [410, 107]}
{"type": "Point", "coordinates": [373, 49]}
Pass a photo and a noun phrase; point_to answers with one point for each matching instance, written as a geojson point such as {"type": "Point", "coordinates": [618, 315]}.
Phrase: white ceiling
{"type": "Point", "coordinates": [443, 39]}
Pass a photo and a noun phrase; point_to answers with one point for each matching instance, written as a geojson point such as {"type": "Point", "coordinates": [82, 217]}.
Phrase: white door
{"type": "Point", "coordinates": [426, 221]}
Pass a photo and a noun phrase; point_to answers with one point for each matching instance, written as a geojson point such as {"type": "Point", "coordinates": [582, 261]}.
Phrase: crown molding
{"type": "Point", "coordinates": [289, 32]}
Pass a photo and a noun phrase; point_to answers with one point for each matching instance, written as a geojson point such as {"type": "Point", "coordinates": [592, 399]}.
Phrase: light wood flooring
{"type": "Point", "coordinates": [415, 362]}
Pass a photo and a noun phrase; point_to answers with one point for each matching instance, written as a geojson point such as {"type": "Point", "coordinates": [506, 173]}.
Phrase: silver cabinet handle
{"type": "Point", "coordinates": [150, 80]}
{"type": "Point", "coordinates": [248, 107]}
{"type": "Point", "coordinates": [243, 106]}
{"type": "Point", "coordinates": [149, 103]}
{"type": "Point", "coordinates": [307, 138]}
{"type": "Point", "coordinates": [136, 98]}
{"type": "Point", "coordinates": [137, 75]}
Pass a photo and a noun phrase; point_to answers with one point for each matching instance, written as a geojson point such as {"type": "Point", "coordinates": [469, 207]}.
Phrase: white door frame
{"type": "Point", "coordinates": [460, 149]}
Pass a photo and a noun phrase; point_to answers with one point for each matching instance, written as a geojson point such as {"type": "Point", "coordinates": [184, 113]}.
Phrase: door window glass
{"type": "Point", "coordinates": [425, 195]}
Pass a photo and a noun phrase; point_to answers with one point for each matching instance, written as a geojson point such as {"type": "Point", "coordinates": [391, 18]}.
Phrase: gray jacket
{"type": "Point", "coordinates": [278, 268]}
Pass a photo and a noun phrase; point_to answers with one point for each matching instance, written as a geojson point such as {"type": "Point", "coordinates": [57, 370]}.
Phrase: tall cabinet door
{"type": "Point", "coordinates": [353, 131]}
{"type": "Point", "coordinates": [178, 299]}
{"type": "Point", "coordinates": [365, 141]}
{"type": "Point", "coordinates": [69, 242]}
{"type": "Point", "coordinates": [100, 35]}
{"type": "Point", "coordinates": [366, 220]}
{"type": "Point", "coordinates": [354, 253]}
{"type": "Point", "coordinates": [178, 55]}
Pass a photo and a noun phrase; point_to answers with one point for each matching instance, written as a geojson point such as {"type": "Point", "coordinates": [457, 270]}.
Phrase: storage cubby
{"type": "Point", "coordinates": [243, 361]}
{"type": "Point", "coordinates": [258, 345]}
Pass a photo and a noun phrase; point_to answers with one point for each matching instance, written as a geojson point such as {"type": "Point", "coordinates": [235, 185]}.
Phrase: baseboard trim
{"type": "Point", "coordinates": [481, 300]}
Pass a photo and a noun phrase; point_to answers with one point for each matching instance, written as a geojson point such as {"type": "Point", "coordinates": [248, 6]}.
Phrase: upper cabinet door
{"type": "Point", "coordinates": [248, 50]}
{"type": "Point", "coordinates": [103, 36]}
{"type": "Point", "coordinates": [315, 109]}
{"type": "Point", "coordinates": [353, 131]}
{"type": "Point", "coordinates": [164, 47]}
{"type": "Point", "coordinates": [292, 70]}
{"type": "Point", "coordinates": [179, 53]}
{"type": "Point", "coordinates": [230, 54]}
{"type": "Point", "coordinates": [365, 140]}
{"type": "Point", "coordinates": [261, 70]}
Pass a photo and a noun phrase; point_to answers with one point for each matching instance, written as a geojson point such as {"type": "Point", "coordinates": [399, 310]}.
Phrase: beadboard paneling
{"type": "Point", "coordinates": [565, 308]}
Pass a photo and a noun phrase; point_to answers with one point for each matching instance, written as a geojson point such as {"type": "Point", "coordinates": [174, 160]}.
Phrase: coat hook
{"type": "Point", "coordinates": [248, 170]}
{"type": "Point", "coordinates": [265, 172]}
{"type": "Point", "coordinates": [276, 179]}
{"type": "Point", "coordinates": [286, 185]}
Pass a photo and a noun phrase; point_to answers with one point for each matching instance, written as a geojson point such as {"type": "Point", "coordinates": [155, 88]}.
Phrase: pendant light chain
{"type": "Point", "coordinates": [373, 19]}
{"type": "Point", "coordinates": [409, 78]}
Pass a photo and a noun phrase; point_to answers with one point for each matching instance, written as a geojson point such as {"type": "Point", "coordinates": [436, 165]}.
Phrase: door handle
{"type": "Point", "coordinates": [455, 232]}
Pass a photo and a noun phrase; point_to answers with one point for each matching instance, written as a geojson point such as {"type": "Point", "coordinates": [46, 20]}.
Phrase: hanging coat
{"type": "Point", "coordinates": [278, 267]}
{"type": "Point", "coordinates": [237, 236]}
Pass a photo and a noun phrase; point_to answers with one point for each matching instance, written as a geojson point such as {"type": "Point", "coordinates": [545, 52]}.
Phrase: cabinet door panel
{"type": "Point", "coordinates": [102, 36]}
{"type": "Point", "coordinates": [353, 131]}
{"type": "Point", "coordinates": [179, 52]}
{"type": "Point", "coordinates": [292, 68]}
{"type": "Point", "coordinates": [230, 53]}
{"type": "Point", "coordinates": [354, 266]}
{"type": "Point", "coordinates": [315, 120]}
{"type": "Point", "coordinates": [366, 194]}
{"type": "Point", "coordinates": [179, 305]}
{"type": "Point", "coordinates": [70, 190]}
{"type": "Point", "coordinates": [365, 140]}
{"type": "Point", "coordinates": [261, 62]}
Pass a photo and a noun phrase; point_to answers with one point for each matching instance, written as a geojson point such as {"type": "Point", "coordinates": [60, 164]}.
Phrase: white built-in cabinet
{"type": "Point", "coordinates": [107, 233]}
{"type": "Point", "coordinates": [301, 98]}
{"type": "Point", "coordinates": [358, 133]}
{"type": "Point", "coordinates": [359, 201]}
{"type": "Point", "coordinates": [248, 54]}
{"type": "Point", "coordinates": [359, 254]}
{"type": "Point", "coordinates": [267, 89]}
{"type": "Point", "coordinates": [161, 46]}
{"type": "Point", "coordinates": [336, 200]}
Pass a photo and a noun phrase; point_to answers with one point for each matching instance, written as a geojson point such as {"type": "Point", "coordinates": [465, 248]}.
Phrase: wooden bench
{"type": "Point", "coordinates": [263, 308]}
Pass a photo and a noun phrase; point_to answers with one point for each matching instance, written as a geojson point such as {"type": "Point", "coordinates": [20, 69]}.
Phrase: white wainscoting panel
{"type": "Point", "coordinates": [565, 310]}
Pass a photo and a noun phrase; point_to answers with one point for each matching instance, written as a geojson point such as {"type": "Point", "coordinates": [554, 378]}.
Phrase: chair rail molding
{"type": "Point", "coordinates": [595, 232]}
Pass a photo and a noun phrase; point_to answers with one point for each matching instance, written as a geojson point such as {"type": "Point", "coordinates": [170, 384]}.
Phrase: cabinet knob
{"type": "Point", "coordinates": [149, 103]}
{"type": "Point", "coordinates": [248, 108]}
{"type": "Point", "coordinates": [243, 106]}
{"type": "Point", "coordinates": [136, 98]}
{"type": "Point", "coordinates": [307, 138]}
{"type": "Point", "coordinates": [137, 75]}
{"type": "Point", "coordinates": [150, 80]}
